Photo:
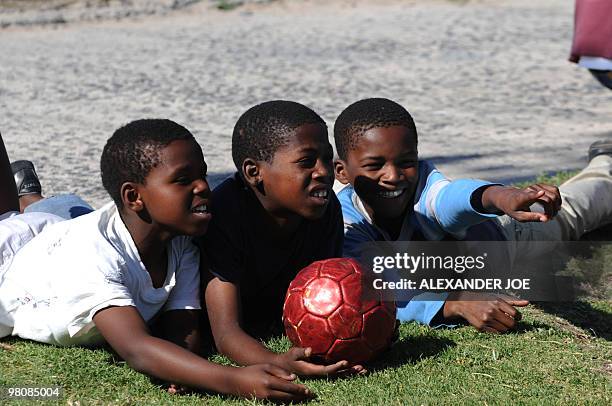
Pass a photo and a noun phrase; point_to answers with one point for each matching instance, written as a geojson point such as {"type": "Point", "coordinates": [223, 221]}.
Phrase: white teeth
{"type": "Point", "coordinates": [200, 209]}
{"type": "Point", "coordinates": [320, 193]}
{"type": "Point", "coordinates": [390, 194]}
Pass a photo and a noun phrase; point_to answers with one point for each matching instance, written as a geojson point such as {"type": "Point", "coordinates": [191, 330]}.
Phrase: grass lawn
{"type": "Point", "coordinates": [560, 354]}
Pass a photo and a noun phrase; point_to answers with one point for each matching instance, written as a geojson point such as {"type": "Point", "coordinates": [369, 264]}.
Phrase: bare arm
{"type": "Point", "coordinates": [181, 327]}
{"type": "Point", "coordinates": [223, 305]}
{"type": "Point", "coordinates": [126, 332]}
{"type": "Point", "coordinates": [8, 191]}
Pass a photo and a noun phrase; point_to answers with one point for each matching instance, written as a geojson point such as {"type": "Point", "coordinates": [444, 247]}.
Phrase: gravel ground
{"type": "Point", "coordinates": [488, 82]}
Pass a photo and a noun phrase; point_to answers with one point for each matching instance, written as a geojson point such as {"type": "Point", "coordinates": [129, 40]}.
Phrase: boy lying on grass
{"type": "Point", "coordinates": [129, 268]}
{"type": "Point", "coordinates": [391, 195]}
{"type": "Point", "coordinates": [275, 216]}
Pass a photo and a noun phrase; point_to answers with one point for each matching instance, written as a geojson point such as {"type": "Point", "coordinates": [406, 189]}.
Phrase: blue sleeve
{"type": "Point", "coordinates": [422, 308]}
{"type": "Point", "coordinates": [356, 228]}
{"type": "Point", "coordinates": [453, 208]}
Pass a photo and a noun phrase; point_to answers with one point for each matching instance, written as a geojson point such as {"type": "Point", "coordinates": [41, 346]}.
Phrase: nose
{"type": "Point", "coordinates": [323, 168]}
{"type": "Point", "coordinates": [201, 187]}
{"type": "Point", "coordinates": [392, 174]}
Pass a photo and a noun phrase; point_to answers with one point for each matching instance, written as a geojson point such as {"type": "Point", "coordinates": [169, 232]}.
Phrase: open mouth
{"type": "Point", "coordinates": [200, 209]}
{"type": "Point", "coordinates": [391, 194]}
{"type": "Point", "coordinates": [320, 193]}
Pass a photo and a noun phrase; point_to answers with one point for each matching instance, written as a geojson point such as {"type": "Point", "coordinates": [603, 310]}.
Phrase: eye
{"type": "Point", "coordinates": [372, 166]}
{"type": "Point", "coordinates": [408, 164]}
{"type": "Point", "coordinates": [307, 162]}
{"type": "Point", "coordinates": [183, 180]}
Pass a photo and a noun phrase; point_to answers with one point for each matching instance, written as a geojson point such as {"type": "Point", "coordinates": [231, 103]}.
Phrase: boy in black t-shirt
{"type": "Point", "coordinates": [277, 215]}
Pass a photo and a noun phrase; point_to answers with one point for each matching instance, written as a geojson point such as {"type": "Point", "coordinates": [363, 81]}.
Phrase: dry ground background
{"type": "Point", "coordinates": [487, 81]}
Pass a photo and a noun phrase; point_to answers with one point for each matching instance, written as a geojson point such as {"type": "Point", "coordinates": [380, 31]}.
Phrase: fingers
{"type": "Point", "coordinates": [494, 315]}
{"type": "Point", "coordinates": [354, 370]}
{"type": "Point", "coordinates": [284, 397]}
{"type": "Point", "coordinates": [288, 388]}
{"type": "Point", "coordinates": [335, 368]}
{"type": "Point", "coordinates": [513, 301]}
{"type": "Point", "coordinates": [524, 216]}
{"type": "Point", "coordinates": [300, 353]}
{"type": "Point", "coordinates": [279, 372]}
{"type": "Point", "coordinates": [498, 326]}
{"type": "Point", "coordinates": [309, 369]}
{"type": "Point", "coordinates": [550, 197]}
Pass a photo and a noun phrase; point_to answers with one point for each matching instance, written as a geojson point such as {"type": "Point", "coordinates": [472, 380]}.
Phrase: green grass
{"type": "Point", "coordinates": [560, 354]}
{"type": "Point", "coordinates": [547, 359]}
{"type": "Point", "coordinates": [227, 5]}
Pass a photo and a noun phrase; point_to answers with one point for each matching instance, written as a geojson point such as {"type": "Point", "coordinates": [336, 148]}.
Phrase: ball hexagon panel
{"type": "Point", "coordinates": [314, 332]}
{"type": "Point", "coordinates": [293, 309]}
{"type": "Point", "coordinates": [346, 322]}
{"type": "Point", "coordinates": [304, 276]}
{"type": "Point", "coordinates": [355, 350]}
{"type": "Point", "coordinates": [375, 321]}
{"type": "Point", "coordinates": [337, 271]}
{"type": "Point", "coordinates": [322, 296]}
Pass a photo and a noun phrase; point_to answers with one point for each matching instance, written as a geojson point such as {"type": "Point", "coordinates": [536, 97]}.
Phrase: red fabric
{"type": "Point", "coordinates": [592, 29]}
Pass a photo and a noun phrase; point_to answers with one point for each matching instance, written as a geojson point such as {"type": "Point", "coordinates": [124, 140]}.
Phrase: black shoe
{"type": "Point", "coordinates": [603, 147]}
{"type": "Point", "coordinates": [26, 178]}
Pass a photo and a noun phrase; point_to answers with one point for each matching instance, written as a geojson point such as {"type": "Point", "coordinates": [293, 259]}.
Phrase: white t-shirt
{"type": "Point", "coordinates": [60, 279]}
{"type": "Point", "coordinates": [18, 229]}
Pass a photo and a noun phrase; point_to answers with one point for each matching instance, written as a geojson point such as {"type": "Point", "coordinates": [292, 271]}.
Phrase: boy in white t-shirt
{"type": "Point", "coordinates": [128, 268]}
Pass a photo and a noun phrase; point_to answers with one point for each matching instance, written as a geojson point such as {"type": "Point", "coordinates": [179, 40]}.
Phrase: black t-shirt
{"type": "Point", "coordinates": [239, 249]}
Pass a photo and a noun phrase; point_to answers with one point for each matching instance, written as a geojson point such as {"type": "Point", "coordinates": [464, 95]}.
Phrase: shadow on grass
{"type": "Point", "coordinates": [583, 315]}
{"type": "Point", "coordinates": [600, 234]}
{"type": "Point", "coordinates": [410, 350]}
{"type": "Point", "coordinates": [532, 325]}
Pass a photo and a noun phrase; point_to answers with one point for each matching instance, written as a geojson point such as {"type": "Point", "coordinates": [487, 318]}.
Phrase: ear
{"type": "Point", "coordinates": [340, 172]}
{"type": "Point", "coordinates": [131, 198]}
{"type": "Point", "coordinates": [251, 172]}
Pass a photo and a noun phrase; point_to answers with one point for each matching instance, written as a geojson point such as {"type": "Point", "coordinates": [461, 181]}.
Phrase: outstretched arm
{"type": "Point", "coordinates": [180, 327]}
{"type": "Point", "coordinates": [8, 191]}
{"type": "Point", "coordinates": [126, 332]}
{"type": "Point", "coordinates": [223, 305]}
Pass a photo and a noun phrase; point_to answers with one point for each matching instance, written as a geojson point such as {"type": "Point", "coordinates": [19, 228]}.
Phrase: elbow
{"type": "Point", "coordinates": [223, 341]}
{"type": "Point", "coordinates": [137, 358]}
{"type": "Point", "coordinates": [221, 345]}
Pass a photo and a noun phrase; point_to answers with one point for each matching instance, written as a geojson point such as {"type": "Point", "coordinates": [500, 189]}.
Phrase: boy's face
{"type": "Point", "coordinates": [383, 169]}
{"type": "Point", "coordinates": [299, 179]}
{"type": "Point", "coordinates": [175, 192]}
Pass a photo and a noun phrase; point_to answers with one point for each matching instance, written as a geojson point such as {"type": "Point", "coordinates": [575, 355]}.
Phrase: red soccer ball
{"type": "Point", "coordinates": [324, 310]}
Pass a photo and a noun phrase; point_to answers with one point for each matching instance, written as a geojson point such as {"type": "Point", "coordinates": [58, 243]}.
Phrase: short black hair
{"type": "Point", "coordinates": [364, 115]}
{"type": "Point", "coordinates": [134, 149]}
{"type": "Point", "coordinates": [263, 128]}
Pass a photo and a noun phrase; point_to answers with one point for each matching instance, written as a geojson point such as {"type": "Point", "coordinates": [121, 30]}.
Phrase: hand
{"type": "Point", "coordinates": [176, 389]}
{"type": "Point", "coordinates": [486, 312]}
{"type": "Point", "coordinates": [295, 360]}
{"type": "Point", "coordinates": [516, 202]}
{"type": "Point", "coordinates": [267, 381]}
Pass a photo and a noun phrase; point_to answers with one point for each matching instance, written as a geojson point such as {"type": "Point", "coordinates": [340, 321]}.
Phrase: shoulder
{"type": "Point", "coordinates": [428, 173]}
{"type": "Point", "coordinates": [229, 198]}
{"type": "Point", "coordinates": [85, 237]}
{"type": "Point", "coordinates": [31, 223]}
{"type": "Point", "coordinates": [350, 213]}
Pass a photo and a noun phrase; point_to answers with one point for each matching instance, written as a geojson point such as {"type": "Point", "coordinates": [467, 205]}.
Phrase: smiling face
{"type": "Point", "coordinates": [383, 169]}
{"type": "Point", "coordinates": [298, 181]}
{"type": "Point", "coordinates": [175, 193]}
